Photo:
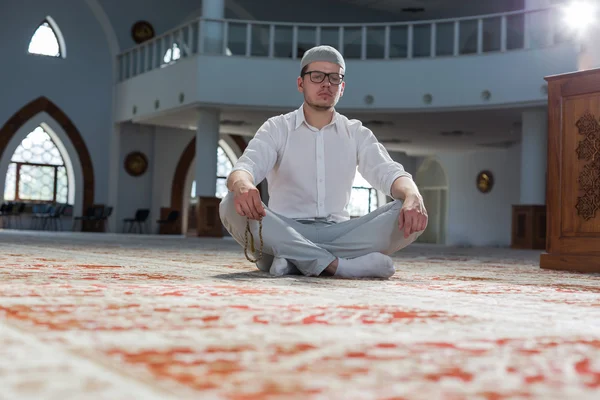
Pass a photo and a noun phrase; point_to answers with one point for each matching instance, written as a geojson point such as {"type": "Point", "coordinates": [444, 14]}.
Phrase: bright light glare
{"type": "Point", "coordinates": [580, 15]}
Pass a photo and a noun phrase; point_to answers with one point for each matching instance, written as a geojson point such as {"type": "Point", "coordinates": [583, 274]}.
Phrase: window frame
{"type": "Point", "coordinates": [19, 164]}
{"type": "Point", "coordinates": [60, 39]}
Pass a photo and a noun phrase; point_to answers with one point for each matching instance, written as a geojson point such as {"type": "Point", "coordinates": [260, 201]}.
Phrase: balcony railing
{"type": "Point", "coordinates": [517, 30]}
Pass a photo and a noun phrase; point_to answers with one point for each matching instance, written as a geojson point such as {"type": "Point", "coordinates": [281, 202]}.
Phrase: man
{"type": "Point", "coordinates": [310, 157]}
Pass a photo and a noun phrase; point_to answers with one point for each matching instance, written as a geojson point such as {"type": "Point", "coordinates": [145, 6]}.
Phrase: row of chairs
{"type": "Point", "coordinates": [49, 217]}
{"type": "Point", "coordinates": [10, 214]}
{"type": "Point", "coordinates": [139, 223]}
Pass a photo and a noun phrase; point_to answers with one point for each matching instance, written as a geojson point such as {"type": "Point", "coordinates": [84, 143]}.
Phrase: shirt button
{"type": "Point", "coordinates": [320, 180]}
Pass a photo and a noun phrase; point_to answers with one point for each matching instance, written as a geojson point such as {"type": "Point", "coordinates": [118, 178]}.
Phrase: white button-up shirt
{"type": "Point", "coordinates": [310, 171]}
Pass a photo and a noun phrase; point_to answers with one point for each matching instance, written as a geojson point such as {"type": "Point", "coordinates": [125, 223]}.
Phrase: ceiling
{"type": "Point", "coordinates": [414, 133]}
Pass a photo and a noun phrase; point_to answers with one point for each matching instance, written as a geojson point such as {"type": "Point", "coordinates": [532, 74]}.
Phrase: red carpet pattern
{"type": "Point", "coordinates": [121, 317]}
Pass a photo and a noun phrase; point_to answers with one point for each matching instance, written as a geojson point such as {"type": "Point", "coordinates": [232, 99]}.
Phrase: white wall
{"type": "Point", "coordinates": [394, 84]}
{"type": "Point", "coordinates": [169, 144]}
{"type": "Point", "coordinates": [163, 147]}
{"type": "Point", "coordinates": [135, 192]}
{"type": "Point", "coordinates": [81, 85]}
{"type": "Point", "coordinates": [475, 218]}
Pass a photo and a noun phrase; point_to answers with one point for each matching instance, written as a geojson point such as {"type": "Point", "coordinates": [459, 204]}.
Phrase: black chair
{"type": "Point", "coordinates": [6, 213]}
{"type": "Point", "coordinates": [54, 218]}
{"type": "Point", "coordinates": [140, 220]}
{"type": "Point", "coordinates": [102, 216]}
{"type": "Point", "coordinates": [89, 214]}
{"type": "Point", "coordinates": [172, 218]}
{"type": "Point", "coordinates": [39, 212]}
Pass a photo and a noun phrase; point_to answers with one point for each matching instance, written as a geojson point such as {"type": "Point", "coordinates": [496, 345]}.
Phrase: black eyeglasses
{"type": "Point", "coordinates": [318, 77]}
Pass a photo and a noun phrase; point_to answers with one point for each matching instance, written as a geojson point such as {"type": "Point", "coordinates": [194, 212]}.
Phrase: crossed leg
{"type": "Point", "coordinates": [282, 237]}
{"type": "Point", "coordinates": [311, 248]}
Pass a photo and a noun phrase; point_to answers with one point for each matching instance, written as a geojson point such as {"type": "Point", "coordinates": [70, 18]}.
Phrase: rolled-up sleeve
{"type": "Point", "coordinates": [261, 153]}
{"type": "Point", "coordinates": [375, 163]}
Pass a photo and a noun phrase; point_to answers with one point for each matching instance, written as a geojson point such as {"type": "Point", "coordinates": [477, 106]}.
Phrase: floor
{"type": "Point", "coordinates": [101, 316]}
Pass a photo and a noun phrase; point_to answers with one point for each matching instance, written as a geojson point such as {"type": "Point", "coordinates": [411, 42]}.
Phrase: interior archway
{"type": "Point", "coordinates": [181, 184]}
{"type": "Point", "coordinates": [433, 185]}
{"type": "Point", "coordinates": [74, 146]}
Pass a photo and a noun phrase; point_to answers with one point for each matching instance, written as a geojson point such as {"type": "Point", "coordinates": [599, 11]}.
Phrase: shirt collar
{"type": "Point", "coordinates": [337, 121]}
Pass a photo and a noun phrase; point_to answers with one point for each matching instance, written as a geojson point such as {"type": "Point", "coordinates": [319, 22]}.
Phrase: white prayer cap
{"type": "Point", "coordinates": [323, 53]}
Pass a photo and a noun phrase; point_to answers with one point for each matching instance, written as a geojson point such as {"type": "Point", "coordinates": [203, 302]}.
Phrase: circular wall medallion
{"type": "Point", "coordinates": [142, 31]}
{"type": "Point", "coordinates": [485, 181]}
{"type": "Point", "coordinates": [136, 163]}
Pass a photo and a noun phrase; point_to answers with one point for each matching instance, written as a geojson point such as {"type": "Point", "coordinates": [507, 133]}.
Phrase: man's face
{"type": "Point", "coordinates": [319, 91]}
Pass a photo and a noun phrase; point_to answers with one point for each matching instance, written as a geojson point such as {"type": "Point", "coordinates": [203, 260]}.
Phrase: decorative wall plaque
{"type": "Point", "coordinates": [589, 177]}
{"type": "Point", "coordinates": [136, 163]}
{"type": "Point", "coordinates": [142, 31]}
{"type": "Point", "coordinates": [485, 181]}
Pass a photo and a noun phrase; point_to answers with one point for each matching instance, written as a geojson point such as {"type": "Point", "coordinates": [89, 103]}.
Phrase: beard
{"type": "Point", "coordinates": [321, 106]}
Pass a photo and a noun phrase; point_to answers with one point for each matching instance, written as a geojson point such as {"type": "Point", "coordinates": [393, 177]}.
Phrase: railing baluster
{"type": "Point", "coordinates": [549, 30]}
{"type": "Point", "coordinates": [294, 42]}
{"type": "Point", "coordinates": [138, 61]}
{"type": "Point", "coordinates": [190, 39]}
{"type": "Point", "coordinates": [225, 37]}
{"type": "Point", "coordinates": [527, 31]}
{"type": "Point", "coordinates": [121, 71]}
{"type": "Point", "coordinates": [386, 43]}
{"type": "Point", "coordinates": [503, 33]}
{"type": "Point", "coordinates": [433, 38]}
{"type": "Point", "coordinates": [271, 41]}
{"type": "Point", "coordinates": [317, 36]}
{"type": "Point", "coordinates": [248, 39]}
{"type": "Point", "coordinates": [479, 36]}
{"type": "Point", "coordinates": [130, 58]}
{"type": "Point", "coordinates": [341, 39]}
{"type": "Point", "coordinates": [201, 36]}
{"type": "Point", "coordinates": [410, 40]}
{"type": "Point", "coordinates": [456, 45]}
{"type": "Point", "coordinates": [363, 43]}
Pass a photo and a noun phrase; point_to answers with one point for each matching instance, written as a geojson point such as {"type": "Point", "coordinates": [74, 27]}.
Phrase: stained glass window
{"type": "Point", "coordinates": [363, 199]}
{"type": "Point", "coordinates": [224, 167]}
{"type": "Point", "coordinates": [44, 41]}
{"type": "Point", "coordinates": [37, 171]}
{"type": "Point", "coordinates": [172, 54]}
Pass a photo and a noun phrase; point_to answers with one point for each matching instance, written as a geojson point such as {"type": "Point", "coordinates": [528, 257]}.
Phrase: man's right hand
{"type": "Point", "coordinates": [247, 200]}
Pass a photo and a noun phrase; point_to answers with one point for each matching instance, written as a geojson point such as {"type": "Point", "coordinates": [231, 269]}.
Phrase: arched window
{"type": "Point", "coordinates": [172, 54]}
{"type": "Point", "coordinates": [48, 40]}
{"type": "Point", "coordinates": [224, 167]}
{"type": "Point", "coordinates": [37, 171]}
{"type": "Point", "coordinates": [364, 197]}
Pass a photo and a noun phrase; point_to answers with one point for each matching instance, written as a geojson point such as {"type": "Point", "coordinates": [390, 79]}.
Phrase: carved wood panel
{"type": "Point", "coordinates": [589, 176]}
{"type": "Point", "coordinates": [580, 199]}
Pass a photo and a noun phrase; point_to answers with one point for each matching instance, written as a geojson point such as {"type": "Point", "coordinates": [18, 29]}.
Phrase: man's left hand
{"type": "Point", "coordinates": [413, 216]}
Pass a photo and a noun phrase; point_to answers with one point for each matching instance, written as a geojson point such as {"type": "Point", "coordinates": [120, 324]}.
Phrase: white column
{"type": "Point", "coordinates": [213, 30]}
{"type": "Point", "coordinates": [207, 142]}
{"type": "Point", "coordinates": [534, 156]}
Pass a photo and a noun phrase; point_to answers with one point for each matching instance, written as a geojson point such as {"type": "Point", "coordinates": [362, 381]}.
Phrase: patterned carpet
{"type": "Point", "coordinates": [121, 317]}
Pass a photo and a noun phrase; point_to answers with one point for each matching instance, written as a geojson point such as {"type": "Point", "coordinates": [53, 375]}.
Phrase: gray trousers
{"type": "Point", "coordinates": [312, 245]}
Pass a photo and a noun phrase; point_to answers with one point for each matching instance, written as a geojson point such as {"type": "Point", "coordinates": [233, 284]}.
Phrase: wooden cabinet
{"type": "Point", "coordinates": [208, 221]}
{"type": "Point", "coordinates": [573, 183]}
{"type": "Point", "coordinates": [529, 227]}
